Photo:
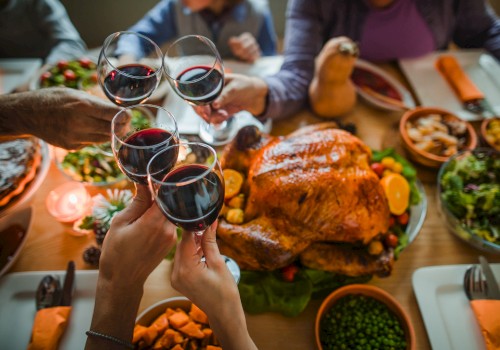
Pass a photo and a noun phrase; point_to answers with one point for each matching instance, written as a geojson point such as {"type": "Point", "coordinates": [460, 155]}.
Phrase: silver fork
{"type": "Point", "coordinates": [475, 285]}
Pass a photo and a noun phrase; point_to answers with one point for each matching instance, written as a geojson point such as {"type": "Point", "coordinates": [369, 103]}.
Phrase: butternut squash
{"type": "Point", "coordinates": [332, 93]}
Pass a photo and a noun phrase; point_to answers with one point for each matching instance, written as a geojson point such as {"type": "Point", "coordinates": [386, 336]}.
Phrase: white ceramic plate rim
{"type": "Point", "coordinates": [17, 300]}
{"type": "Point", "coordinates": [23, 218]}
{"type": "Point", "coordinates": [447, 315]}
{"type": "Point", "coordinates": [406, 96]}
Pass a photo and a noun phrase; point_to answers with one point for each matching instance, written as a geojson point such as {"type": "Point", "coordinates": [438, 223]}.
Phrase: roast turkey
{"type": "Point", "coordinates": [310, 196]}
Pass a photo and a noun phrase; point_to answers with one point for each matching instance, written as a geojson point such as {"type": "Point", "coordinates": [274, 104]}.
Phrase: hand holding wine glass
{"type": "Point", "coordinates": [129, 78]}
{"type": "Point", "coordinates": [138, 133]}
{"type": "Point", "coordinates": [195, 71]}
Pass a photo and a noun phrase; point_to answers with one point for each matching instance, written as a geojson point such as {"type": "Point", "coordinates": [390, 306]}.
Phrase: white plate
{"type": "Point", "coordinates": [22, 200]}
{"type": "Point", "coordinates": [405, 95]}
{"type": "Point", "coordinates": [448, 317]}
{"type": "Point", "coordinates": [17, 308]}
{"type": "Point", "coordinates": [433, 90]}
{"type": "Point", "coordinates": [17, 71]}
{"type": "Point", "coordinates": [23, 219]}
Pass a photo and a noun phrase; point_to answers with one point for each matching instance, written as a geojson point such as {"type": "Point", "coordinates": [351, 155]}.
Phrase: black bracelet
{"type": "Point", "coordinates": [110, 338]}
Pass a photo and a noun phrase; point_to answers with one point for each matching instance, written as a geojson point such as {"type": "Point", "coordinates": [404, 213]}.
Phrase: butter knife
{"type": "Point", "coordinates": [493, 290]}
{"type": "Point", "coordinates": [67, 289]}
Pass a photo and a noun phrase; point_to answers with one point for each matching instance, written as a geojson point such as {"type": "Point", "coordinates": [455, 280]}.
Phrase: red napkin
{"type": "Point", "coordinates": [466, 90]}
{"type": "Point", "coordinates": [488, 316]}
{"type": "Point", "coordinates": [48, 327]}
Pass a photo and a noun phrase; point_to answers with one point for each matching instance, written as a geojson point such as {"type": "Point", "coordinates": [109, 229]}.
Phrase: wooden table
{"type": "Point", "coordinates": [49, 246]}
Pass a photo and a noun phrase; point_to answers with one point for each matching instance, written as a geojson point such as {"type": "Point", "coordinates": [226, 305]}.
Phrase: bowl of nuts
{"type": "Point", "coordinates": [432, 135]}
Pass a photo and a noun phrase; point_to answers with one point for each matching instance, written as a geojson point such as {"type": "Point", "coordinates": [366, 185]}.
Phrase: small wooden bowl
{"type": "Point", "coordinates": [484, 128]}
{"type": "Point", "coordinates": [372, 292]}
{"type": "Point", "coordinates": [427, 158]}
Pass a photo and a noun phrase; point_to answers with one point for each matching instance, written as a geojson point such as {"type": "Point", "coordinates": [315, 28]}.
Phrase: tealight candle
{"type": "Point", "coordinates": [69, 202]}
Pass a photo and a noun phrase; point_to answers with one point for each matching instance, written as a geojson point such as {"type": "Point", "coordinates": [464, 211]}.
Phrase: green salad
{"type": "Point", "coordinates": [96, 164]}
{"type": "Point", "coordinates": [470, 190]}
{"type": "Point", "coordinates": [74, 74]}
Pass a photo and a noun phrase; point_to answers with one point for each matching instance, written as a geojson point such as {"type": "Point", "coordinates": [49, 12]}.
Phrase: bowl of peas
{"type": "Point", "coordinates": [360, 316]}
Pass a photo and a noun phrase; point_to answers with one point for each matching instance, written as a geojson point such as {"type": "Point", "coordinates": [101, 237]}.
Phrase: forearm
{"type": "Point", "coordinates": [233, 335]}
{"type": "Point", "coordinates": [15, 114]}
{"type": "Point", "coordinates": [115, 311]}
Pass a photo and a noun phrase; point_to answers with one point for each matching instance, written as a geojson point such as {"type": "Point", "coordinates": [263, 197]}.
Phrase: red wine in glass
{"type": "Point", "coordinates": [140, 132]}
{"type": "Point", "coordinates": [194, 204]}
{"type": "Point", "coordinates": [199, 85]}
{"type": "Point", "coordinates": [130, 84]}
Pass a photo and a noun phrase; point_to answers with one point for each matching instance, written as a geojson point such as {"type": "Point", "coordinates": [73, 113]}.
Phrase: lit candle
{"type": "Point", "coordinates": [69, 202]}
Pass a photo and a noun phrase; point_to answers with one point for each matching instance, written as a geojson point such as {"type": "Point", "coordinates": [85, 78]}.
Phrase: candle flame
{"type": "Point", "coordinates": [72, 198]}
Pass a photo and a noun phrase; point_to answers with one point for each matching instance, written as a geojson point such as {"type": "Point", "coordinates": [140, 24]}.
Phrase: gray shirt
{"type": "Point", "coordinates": [40, 29]}
{"type": "Point", "coordinates": [310, 23]}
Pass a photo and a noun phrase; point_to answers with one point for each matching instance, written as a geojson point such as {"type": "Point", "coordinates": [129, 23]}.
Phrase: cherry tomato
{"type": "Point", "coordinates": [289, 272]}
{"type": "Point", "coordinates": [45, 76]}
{"type": "Point", "coordinates": [378, 168]}
{"type": "Point", "coordinates": [69, 74]}
{"type": "Point", "coordinates": [63, 64]}
{"type": "Point", "coordinates": [93, 77]}
{"type": "Point", "coordinates": [403, 218]}
{"type": "Point", "coordinates": [391, 240]}
{"type": "Point", "coordinates": [392, 221]}
{"type": "Point", "coordinates": [85, 62]}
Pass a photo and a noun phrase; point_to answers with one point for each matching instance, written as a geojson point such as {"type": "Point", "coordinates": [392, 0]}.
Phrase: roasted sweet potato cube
{"type": "Point", "coordinates": [178, 319]}
{"type": "Point", "coordinates": [138, 333]}
{"type": "Point", "coordinates": [207, 337]}
{"type": "Point", "coordinates": [177, 347]}
{"type": "Point", "coordinates": [161, 323]}
{"type": "Point", "coordinates": [192, 330]}
{"type": "Point", "coordinates": [192, 344]}
{"type": "Point", "coordinates": [198, 315]}
{"type": "Point", "coordinates": [212, 347]}
{"type": "Point", "coordinates": [150, 335]}
{"type": "Point", "coordinates": [169, 312]}
{"type": "Point", "coordinates": [158, 345]}
{"type": "Point", "coordinates": [176, 337]}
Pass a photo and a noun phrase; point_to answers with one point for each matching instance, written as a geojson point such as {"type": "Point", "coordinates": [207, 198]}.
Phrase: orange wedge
{"type": "Point", "coordinates": [232, 181]}
{"type": "Point", "coordinates": [397, 191]}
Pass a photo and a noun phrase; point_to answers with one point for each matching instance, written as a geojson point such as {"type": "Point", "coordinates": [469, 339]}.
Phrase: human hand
{"type": "Point", "coordinates": [139, 239]}
{"type": "Point", "coordinates": [65, 117]}
{"type": "Point", "coordinates": [245, 47]}
{"type": "Point", "coordinates": [240, 93]}
{"type": "Point", "coordinates": [209, 283]}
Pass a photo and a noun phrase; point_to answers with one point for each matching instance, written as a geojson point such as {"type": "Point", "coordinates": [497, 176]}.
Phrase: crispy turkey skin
{"type": "Point", "coordinates": [312, 186]}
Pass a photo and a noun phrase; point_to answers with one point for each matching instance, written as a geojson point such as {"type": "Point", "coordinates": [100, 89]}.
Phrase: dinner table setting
{"type": "Point", "coordinates": [440, 281]}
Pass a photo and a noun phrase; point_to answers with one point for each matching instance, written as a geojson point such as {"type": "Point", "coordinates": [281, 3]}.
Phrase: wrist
{"type": "Point", "coordinates": [261, 95]}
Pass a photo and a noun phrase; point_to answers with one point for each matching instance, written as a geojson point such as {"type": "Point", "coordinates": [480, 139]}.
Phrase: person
{"type": "Point", "coordinates": [38, 29]}
{"type": "Point", "coordinates": [63, 117]}
{"type": "Point", "coordinates": [385, 30]}
{"type": "Point", "coordinates": [241, 29]}
{"type": "Point", "coordinates": [208, 284]}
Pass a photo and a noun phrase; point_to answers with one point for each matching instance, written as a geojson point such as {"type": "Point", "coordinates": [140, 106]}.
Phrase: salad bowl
{"type": "Point", "coordinates": [469, 197]}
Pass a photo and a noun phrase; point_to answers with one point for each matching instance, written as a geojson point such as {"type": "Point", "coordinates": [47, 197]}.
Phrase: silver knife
{"type": "Point", "coordinates": [493, 290]}
{"type": "Point", "coordinates": [67, 289]}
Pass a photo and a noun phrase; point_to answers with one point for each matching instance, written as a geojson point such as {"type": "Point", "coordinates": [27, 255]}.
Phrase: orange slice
{"type": "Point", "coordinates": [397, 191]}
{"type": "Point", "coordinates": [232, 181]}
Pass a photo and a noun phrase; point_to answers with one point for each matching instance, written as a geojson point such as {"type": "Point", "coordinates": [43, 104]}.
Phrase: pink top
{"type": "Point", "coordinates": [398, 31]}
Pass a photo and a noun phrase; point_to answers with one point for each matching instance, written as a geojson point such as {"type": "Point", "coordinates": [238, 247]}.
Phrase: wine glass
{"type": "Point", "coordinates": [190, 194]}
{"type": "Point", "coordinates": [195, 71]}
{"type": "Point", "coordinates": [129, 76]}
{"type": "Point", "coordinates": [138, 133]}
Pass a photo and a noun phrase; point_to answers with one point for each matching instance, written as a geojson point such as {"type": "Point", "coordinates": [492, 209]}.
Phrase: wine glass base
{"type": "Point", "coordinates": [218, 134]}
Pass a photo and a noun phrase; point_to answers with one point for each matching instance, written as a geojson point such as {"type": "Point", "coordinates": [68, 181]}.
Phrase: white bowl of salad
{"type": "Point", "coordinates": [469, 196]}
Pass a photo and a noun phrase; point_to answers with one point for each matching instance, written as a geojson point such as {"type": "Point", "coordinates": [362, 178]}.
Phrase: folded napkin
{"type": "Point", "coordinates": [488, 316]}
{"type": "Point", "coordinates": [466, 90]}
{"type": "Point", "coordinates": [48, 327]}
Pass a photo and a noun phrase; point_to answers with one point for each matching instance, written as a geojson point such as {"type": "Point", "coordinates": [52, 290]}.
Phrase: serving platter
{"type": "Point", "coordinates": [11, 248]}
{"type": "Point", "coordinates": [17, 308]}
{"type": "Point", "coordinates": [432, 89]}
{"type": "Point", "coordinates": [448, 318]}
{"type": "Point", "coordinates": [378, 88]}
